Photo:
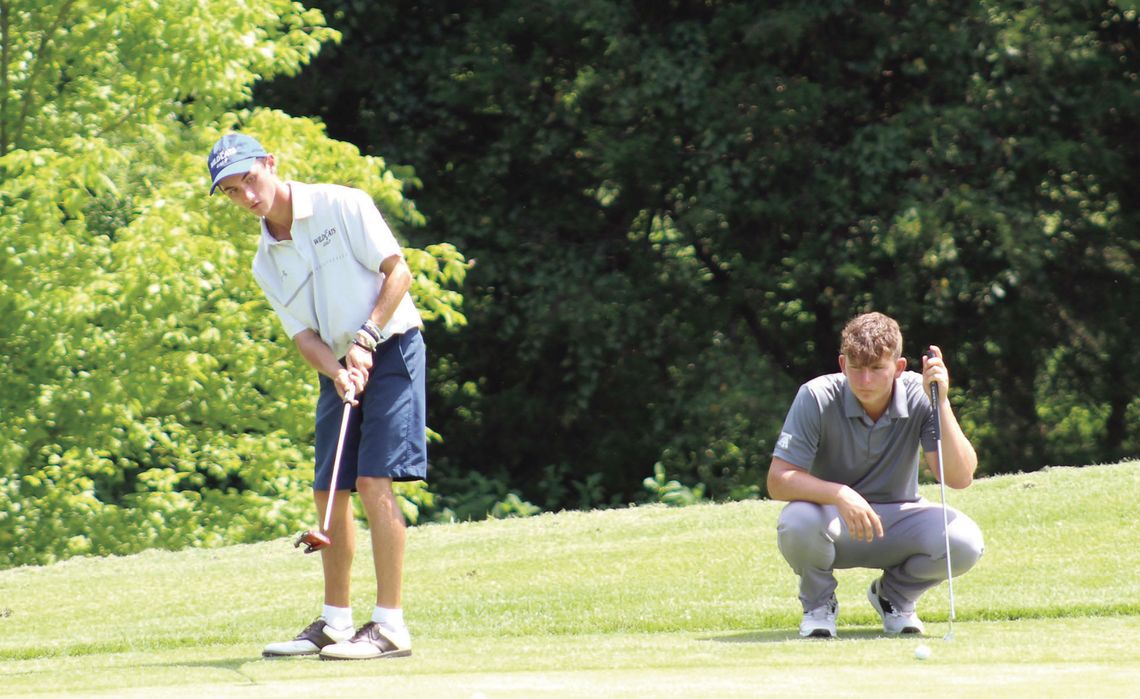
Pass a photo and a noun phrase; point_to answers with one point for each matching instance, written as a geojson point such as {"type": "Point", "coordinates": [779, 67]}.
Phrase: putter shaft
{"type": "Point", "coordinates": [348, 396]}
{"type": "Point", "coordinates": [317, 540]}
{"type": "Point", "coordinates": [942, 491]}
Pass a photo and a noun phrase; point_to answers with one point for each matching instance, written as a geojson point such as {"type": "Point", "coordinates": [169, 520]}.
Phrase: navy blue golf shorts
{"type": "Point", "coordinates": [386, 435]}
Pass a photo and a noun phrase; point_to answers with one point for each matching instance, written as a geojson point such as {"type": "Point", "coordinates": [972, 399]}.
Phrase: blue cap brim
{"type": "Point", "coordinates": [236, 168]}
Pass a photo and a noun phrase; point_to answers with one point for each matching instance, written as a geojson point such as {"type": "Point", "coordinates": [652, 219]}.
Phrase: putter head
{"type": "Point", "coordinates": [313, 541]}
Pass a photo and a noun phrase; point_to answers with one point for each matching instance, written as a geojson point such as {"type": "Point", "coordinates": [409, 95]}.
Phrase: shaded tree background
{"type": "Point", "coordinates": [675, 205]}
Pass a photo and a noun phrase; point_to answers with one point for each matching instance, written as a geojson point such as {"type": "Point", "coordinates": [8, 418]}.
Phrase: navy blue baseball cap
{"type": "Point", "coordinates": [233, 154]}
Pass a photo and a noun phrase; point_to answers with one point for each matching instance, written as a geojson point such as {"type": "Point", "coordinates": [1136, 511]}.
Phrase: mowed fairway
{"type": "Point", "coordinates": [637, 602]}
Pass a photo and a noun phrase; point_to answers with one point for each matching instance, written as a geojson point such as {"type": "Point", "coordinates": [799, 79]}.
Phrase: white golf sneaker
{"type": "Point", "coordinates": [310, 641]}
{"type": "Point", "coordinates": [820, 622]}
{"type": "Point", "coordinates": [894, 621]}
{"type": "Point", "coordinates": [371, 641]}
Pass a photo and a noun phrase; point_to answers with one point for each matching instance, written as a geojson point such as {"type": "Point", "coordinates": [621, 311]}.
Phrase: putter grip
{"type": "Point", "coordinates": [934, 401]}
{"type": "Point", "coordinates": [933, 387]}
{"type": "Point", "coordinates": [350, 393]}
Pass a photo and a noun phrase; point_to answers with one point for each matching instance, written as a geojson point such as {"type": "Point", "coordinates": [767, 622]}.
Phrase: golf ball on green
{"type": "Point", "coordinates": [922, 652]}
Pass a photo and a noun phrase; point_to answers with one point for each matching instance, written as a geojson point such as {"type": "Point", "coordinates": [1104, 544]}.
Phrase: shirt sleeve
{"type": "Point", "coordinates": [371, 240]}
{"type": "Point", "coordinates": [291, 324]}
{"type": "Point", "coordinates": [799, 438]}
{"type": "Point", "coordinates": [929, 441]}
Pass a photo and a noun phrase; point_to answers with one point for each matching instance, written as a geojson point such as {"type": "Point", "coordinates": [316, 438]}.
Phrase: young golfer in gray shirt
{"type": "Point", "coordinates": [847, 461]}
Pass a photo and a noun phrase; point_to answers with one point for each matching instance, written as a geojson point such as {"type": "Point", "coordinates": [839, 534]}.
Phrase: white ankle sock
{"type": "Point", "coordinates": [337, 617]}
{"type": "Point", "coordinates": [389, 618]}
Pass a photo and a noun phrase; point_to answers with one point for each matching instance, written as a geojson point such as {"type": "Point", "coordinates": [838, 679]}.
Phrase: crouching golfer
{"type": "Point", "coordinates": [847, 460]}
{"type": "Point", "coordinates": [335, 275]}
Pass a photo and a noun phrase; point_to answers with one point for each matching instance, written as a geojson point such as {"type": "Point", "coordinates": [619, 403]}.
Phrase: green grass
{"type": "Point", "coordinates": [638, 602]}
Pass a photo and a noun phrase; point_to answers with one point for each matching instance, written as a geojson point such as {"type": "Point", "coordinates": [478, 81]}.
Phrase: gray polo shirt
{"type": "Point", "coordinates": [828, 433]}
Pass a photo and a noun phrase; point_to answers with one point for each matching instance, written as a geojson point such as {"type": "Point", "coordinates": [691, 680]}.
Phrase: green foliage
{"type": "Point", "coordinates": [671, 492]}
{"type": "Point", "coordinates": [152, 400]}
{"type": "Point", "coordinates": [513, 506]}
{"type": "Point", "coordinates": [475, 496]}
{"type": "Point", "coordinates": [677, 205]}
{"type": "Point", "coordinates": [122, 71]}
{"type": "Point", "coordinates": [414, 497]}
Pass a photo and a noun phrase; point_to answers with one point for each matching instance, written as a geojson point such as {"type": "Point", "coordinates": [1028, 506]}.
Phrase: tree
{"type": "Point", "coordinates": [151, 398]}
{"type": "Point", "coordinates": [676, 206]}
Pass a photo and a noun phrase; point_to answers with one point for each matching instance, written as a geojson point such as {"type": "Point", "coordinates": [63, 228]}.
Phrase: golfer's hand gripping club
{"type": "Point", "coordinates": [929, 354]}
{"type": "Point", "coordinates": [349, 393]}
{"type": "Point", "coordinates": [317, 540]}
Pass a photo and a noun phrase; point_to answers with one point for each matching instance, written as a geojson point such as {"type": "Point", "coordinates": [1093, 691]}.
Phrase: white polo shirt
{"type": "Point", "coordinates": [327, 278]}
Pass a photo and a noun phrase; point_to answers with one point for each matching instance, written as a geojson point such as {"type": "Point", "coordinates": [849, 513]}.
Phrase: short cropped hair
{"type": "Point", "coordinates": [867, 337]}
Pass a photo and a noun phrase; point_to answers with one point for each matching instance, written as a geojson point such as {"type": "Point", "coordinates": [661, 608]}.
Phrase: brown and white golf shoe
{"type": "Point", "coordinates": [310, 641]}
{"type": "Point", "coordinates": [371, 641]}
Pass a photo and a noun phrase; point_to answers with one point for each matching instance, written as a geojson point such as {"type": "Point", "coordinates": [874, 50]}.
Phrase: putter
{"type": "Point", "coordinates": [942, 488]}
{"type": "Point", "coordinates": [315, 540]}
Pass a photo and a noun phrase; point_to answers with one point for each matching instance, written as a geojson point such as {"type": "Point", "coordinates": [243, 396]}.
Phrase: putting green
{"type": "Point", "coordinates": [1027, 658]}
{"type": "Point", "coordinates": [630, 602]}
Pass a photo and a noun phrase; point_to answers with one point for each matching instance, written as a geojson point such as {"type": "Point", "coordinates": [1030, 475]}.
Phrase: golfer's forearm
{"type": "Point", "coordinates": [959, 466]}
{"type": "Point", "coordinates": [317, 353]}
{"type": "Point", "coordinates": [397, 281]}
{"type": "Point", "coordinates": [787, 482]}
{"type": "Point", "coordinates": [959, 458]}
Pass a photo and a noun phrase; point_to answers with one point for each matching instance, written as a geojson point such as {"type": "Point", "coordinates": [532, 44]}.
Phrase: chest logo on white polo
{"type": "Point", "coordinates": [325, 237]}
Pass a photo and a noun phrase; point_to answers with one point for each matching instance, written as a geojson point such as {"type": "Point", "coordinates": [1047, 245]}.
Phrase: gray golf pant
{"type": "Point", "coordinates": [912, 553]}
